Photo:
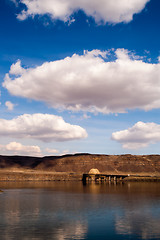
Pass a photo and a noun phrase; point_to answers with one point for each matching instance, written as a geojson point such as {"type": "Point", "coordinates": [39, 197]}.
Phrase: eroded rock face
{"type": "Point", "coordinates": [83, 163]}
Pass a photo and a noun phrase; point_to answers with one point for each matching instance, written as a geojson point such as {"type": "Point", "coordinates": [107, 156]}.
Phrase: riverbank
{"type": "Point", "coordinates": [142, 179]}
{"type": "Point", "coordinates": [38, 176]}
{"type": "Point", "coordinates": [18, 176]}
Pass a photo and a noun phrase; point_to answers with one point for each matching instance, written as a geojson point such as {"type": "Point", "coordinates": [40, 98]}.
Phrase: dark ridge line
{"type": "Point", "coordinates": [76, 154]}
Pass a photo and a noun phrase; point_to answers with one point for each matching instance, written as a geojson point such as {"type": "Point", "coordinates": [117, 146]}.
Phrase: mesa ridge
{"type": "Point", "coordinates": [72, 167]}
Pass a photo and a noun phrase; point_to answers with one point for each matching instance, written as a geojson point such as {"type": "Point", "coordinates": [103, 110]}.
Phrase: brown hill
{"type": "Point", "coordinates": [82, 163]}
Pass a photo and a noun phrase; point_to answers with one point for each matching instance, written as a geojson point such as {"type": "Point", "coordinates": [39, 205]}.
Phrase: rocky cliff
{"type": "Point", "coordinates": [82, 163]}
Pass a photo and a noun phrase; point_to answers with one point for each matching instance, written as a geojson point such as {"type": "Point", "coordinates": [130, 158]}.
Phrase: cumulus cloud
{"type": "Point", "coordinates": [18, 148]}
{"type": "Point", "coordinates": [90, 82]}
{"type": "Point", "coordinates": [9, 105]}
{"type": "Point", "coordinates": [138, 136]}
{"type": "Point", "coordinates": [44, 127]}
{"type": "Point", "coordinates": [16, 69]}
{"type": "Point", "coordinates": [112, 11]}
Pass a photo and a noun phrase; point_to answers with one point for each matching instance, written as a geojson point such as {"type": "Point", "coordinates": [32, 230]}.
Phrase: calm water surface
{"type": "Point", "coordinates": [55, 210]}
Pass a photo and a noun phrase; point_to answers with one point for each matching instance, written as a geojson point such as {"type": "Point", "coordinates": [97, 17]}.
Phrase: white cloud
{"type": "Point", "coordinates": [91, 82]}
{"type": "Point", "coordinates": [43, 127]}
{"type": "Point", "coordinates": [139, 136]}
{"type": "Point", "coordinates": [85, 116]}
{"type": "Point", "coordinates": [9, 105]}
{"type": "Point", "coordinates": [66, 151]}
{"type": "Point", "coordinates": [112, 11]}
{"type": "Point", "coordinates": [49, 150]}
{"type": "Point", "coordinates": [15, 2]}
{"type": "Point", "coordinates": [18, 148]}
{"type": "Point", "coordinates": [16, 69]}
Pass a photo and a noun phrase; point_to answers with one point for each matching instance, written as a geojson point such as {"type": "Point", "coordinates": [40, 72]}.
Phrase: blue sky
{"type": "Point", "coordinates": [79, 77]}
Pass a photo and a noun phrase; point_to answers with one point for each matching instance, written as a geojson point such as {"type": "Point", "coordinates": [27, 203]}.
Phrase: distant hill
{"type": "Point", "coordinates": [82, 163]}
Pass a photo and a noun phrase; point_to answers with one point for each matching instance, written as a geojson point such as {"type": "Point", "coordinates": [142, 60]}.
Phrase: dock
{"type": "Point", "coordinates": [88, 177]}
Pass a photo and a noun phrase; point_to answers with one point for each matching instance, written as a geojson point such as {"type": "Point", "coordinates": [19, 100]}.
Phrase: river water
{"type": "Point", "coordinates": [60, 211]}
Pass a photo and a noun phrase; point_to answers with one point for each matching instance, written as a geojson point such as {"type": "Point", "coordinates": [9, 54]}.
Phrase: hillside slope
{"type": "Point", "coordinates": [82, 163]}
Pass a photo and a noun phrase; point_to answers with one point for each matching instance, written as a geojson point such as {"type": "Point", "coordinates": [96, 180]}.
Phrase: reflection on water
{"type": "Point", "coordinates": [145, 225]}
{"type": "Point", "coordinates": [59, 211]}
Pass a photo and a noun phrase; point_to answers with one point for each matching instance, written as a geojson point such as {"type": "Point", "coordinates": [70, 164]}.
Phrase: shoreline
{"type": "Point", "coordinates": [22, 175]}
